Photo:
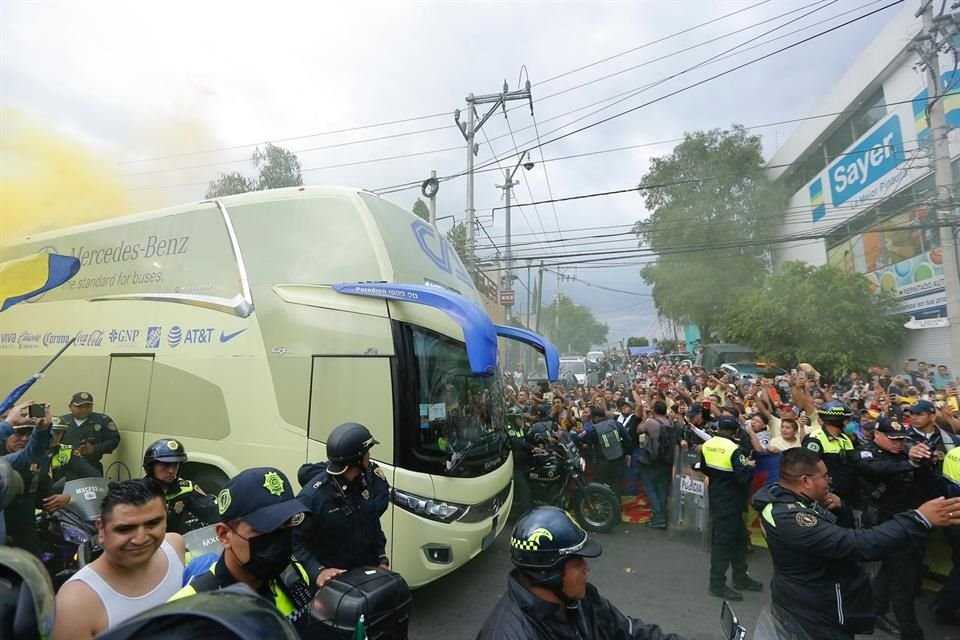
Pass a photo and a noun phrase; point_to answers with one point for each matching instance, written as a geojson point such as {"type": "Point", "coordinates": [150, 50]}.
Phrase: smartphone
{"type": "Point", "coordinates": [36, 411]}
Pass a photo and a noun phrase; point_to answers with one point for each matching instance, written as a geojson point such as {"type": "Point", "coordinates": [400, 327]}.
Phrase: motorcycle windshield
{"type": "Point", "coordinates": [203, 540]}
{"type": "Point", "coordinates": [86, 495]}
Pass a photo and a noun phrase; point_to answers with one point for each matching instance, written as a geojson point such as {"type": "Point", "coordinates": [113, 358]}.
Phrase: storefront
{"type": "Point", "coordinates": [862, 182]}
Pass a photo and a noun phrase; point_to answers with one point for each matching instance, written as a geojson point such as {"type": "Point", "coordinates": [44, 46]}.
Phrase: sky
{"type": "Point", "coordinates": [139, 105]}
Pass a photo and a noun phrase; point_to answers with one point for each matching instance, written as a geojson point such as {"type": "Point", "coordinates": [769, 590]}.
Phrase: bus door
{"type": "Point", "coordinates": [354, 389]}
{"type": "Point", "coordinates": [128, 389]}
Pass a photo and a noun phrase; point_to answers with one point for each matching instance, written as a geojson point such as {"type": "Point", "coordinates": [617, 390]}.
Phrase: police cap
{"type": "Point", "coordinates": [892, 428]}
{"type": "Point", "coordinates": [261, 497]}
{"type": "Point", "coordinates": [81, 398]}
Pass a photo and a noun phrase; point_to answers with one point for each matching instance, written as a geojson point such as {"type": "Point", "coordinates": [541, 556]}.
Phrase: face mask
{"type": "Point", "coordinates": [269, 553]}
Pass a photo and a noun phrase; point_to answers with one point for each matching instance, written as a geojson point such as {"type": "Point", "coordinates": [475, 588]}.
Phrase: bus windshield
{"type": "Point", "coordinates": [460, 415]}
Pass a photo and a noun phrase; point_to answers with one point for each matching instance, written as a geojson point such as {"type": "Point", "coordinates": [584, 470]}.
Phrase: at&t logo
{"type": "Point", "coordinates": [174, 336]}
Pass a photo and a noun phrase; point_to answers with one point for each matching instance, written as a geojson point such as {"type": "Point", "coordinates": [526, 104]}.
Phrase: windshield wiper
{"type": "Point", "coordinates": [456, 457]}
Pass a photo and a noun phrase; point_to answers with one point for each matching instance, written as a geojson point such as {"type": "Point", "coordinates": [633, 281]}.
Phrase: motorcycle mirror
{"type": "Point", "coordinates": [732, 629]}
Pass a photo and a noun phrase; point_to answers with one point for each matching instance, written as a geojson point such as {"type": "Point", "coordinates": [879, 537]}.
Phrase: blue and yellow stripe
{"type": "Point", "coordinates": [817, 200]}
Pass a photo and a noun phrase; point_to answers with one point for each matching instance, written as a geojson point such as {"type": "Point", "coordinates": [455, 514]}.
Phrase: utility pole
{"type": "Point", "coordinates": [469, 130]}
{"type": "Point", "coordinates": [529, 261]}
{"type": "Point", "coordinates": [936, 34]}
{"type": "Point", "coordinates": [508, 184]}
{"type": "Point", "coordinates": [539, 297]}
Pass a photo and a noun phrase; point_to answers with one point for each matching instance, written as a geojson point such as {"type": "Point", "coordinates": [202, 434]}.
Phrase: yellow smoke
{"type": "Point", "coordinates": [48, 181]}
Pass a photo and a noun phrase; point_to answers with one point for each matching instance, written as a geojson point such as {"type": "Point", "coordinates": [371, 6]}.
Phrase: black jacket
{"type": "Point", "coordinates": [889, 482]}
{"type": "Point", "coordinates": [817, 575]}
{"type": "Point", "coordinates": [520, 615]}
{"type": "Point", "coordinates": [98, 428]}
{"type": "Point", "coordinates": [185, 498]}
{"type": "Point", "coordinates": [343, 529]}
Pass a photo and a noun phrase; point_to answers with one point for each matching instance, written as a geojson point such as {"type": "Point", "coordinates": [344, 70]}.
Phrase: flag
{"type": "Point", "coordinates": [15, 395]}
{"type": "Point", "coordinates": [24, 278]}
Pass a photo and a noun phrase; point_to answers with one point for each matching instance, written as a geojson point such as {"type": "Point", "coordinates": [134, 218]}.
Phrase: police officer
{"type": "Point", "coordinates": [817, 576]}
{"type": "Point", "coordinates": [523, 446]}
{"type": "Point", "coordinates": [724, 462]}
{"type": "Point", "coordinates": [548, 595]}
{"type": "Point", "coordinates": [612, 445]}
{"type": "Point", "coordinates": [92, 435]}
{"type": "Point", "coordinates": [346, 497]}
{"type": "Point", "coordinates": [162, 461]}
{"type": "Point", "coordinates": [946, 605]}
{"type": "Point", "coordinates": [63, 464]}
{"type": "Point", "coordinates": [258, 515]}
{"type": "Point", "coordinates": [890, 488]}
{"type": "Point", "coordinates": [837, 451]}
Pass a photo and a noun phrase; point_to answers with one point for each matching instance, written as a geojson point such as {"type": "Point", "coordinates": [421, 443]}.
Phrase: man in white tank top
{"type": "Point", "coordinates": [141, 565]}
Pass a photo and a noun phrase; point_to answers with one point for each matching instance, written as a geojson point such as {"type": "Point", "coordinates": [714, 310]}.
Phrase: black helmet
{"type": "Point", "coordinates": [543, 539]}
{"type": "Point", "coordinates": [164, 450]}
{"type": "Point", "coordinates": [346, 446]}
{"type": "Point", "coordinates": [26, 596]}
{"type": "Point", "coordinates": [834, 411]}
{"type": "Point", "coordinates": [235, 612]}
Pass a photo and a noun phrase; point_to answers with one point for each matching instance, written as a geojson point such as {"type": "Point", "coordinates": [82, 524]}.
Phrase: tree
{"type": "Point", "coordinates": [668, 345]}
{"type": "Point", "coordinates": [457, 235]}
{"type": "Point", "coordinates": [711, 206]}
{"type": "Point", "coordinates": [819, 315]}
{"type": "Point", "coordinates": [229, 184]}
{"type": "Point", "coordinates": [577, 329]}
{"type": "Point", "coordinates": [637, 341]}
{"type": "Point", "coordinates": [276, 167]}
{"type": "Point", "coordinates": [420, 209]}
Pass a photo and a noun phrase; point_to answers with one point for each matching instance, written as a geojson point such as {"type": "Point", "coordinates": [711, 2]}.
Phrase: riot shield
{"type": "Point", "coordinates": [86, 494]}
{"type": "Point", "coordinates": [689, 517]}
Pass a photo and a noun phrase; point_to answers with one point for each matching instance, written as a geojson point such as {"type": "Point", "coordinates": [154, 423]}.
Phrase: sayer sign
{"type": "Point", "coordinates": [867, 162]}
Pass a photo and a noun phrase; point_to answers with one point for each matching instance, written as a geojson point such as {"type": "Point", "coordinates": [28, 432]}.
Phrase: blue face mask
{"type": "Point", "coordinates": [852, 428]}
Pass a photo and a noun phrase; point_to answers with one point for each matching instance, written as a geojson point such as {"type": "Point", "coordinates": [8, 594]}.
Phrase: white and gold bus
{"type": "Point", "coordinates": [249, 326]}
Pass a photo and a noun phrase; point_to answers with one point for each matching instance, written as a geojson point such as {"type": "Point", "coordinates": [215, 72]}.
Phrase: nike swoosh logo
{"type": "Point", "coordinates": [227, 337]}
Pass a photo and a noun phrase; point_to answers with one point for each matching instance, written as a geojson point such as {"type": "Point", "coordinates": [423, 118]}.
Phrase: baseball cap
{"type": "Point", "coordinates": [81, 397]}
{"type": "Point", "coordinates": [892, 428]}
{"type": "Point", "coordinates": [695, 409]}
{"type": "Point", "coordinates": [261, 497]}
{"type": "Point", "coordinates": [57, 424]}
{"type": "Point", "coordinates": [923, 406]}
{"type": "Point", "coordinates": [727, 423]}
{"type": "Point", "coordinates": [6, 430]}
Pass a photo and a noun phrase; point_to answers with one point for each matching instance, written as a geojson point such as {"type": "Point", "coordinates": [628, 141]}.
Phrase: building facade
{"type": "Point", "coordinates": [861, 173]}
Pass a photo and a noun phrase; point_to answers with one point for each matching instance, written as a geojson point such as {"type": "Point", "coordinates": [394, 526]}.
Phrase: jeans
{"type": "Point", "coordinates": [656, 479]}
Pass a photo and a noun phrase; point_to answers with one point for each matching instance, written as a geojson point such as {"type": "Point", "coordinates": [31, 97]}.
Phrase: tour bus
{"type": "Point", "coordinates": [248, 327]}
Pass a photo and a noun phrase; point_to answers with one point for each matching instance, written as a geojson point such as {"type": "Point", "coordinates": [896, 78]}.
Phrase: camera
{"type": "Point", "coordinates": [36, 411]}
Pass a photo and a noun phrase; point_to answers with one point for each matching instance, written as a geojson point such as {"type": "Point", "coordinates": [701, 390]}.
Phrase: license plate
{"type": "Point", "coordinates": [490, 537]}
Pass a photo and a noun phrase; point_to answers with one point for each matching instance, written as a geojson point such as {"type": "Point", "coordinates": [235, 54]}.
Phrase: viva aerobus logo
{"type": "Point", "coordinates": [871, 159]}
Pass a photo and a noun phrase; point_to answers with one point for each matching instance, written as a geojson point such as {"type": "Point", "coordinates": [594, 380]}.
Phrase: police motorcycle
{"type": "Point", "coordinates": [556, 479]}
{"type": "Point", "coordinates": [69, 536]}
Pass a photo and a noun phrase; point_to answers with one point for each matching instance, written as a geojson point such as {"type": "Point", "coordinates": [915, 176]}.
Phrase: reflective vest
{"type": "Point", "coordinates": [608, 439]}
{"type": "Point", "coordinates": [718, 453]}
{"type": "Point", "coordinates": [62, 456]}
{"type": "Point", "coordinates": [836, 446]}
{"type": "Point", "coordinates": [183, 488]}
{"type": "Point", "coordinates": [951, 465]}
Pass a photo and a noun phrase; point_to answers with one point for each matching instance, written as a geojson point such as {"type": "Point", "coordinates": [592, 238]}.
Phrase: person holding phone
{"type": "Point", "coordinates": [92, 435]}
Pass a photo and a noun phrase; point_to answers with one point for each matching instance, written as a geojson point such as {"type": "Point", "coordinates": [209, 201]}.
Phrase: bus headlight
{"type": "Point", "coordinates": [427, 507]}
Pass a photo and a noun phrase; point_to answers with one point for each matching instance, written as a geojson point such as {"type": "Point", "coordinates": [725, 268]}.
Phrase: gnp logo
{"type": "Point", "coordinates": [874, 157]}
{"type": "Point", "coordinates": [446, 258]}
{"type": "Point", "coordinates": [174, 336]}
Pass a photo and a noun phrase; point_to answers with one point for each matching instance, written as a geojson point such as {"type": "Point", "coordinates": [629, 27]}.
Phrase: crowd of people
{"type": "Point", "coordinates": [884, 440]}
{"type": "Point", "coordinates": [867, 467]}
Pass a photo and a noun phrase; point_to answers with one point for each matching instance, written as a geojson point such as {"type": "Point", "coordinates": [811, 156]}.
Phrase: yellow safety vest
{"type": "Point", "coordinates": [833, 445]}
{"type": "Point", "coordinates": [951, 465]}
{"type": "Point", "coordinates": [281, 600]}
{"type": "Point", "coordinates": [62, 456]}
{"type": "Point", "coordinates": [718, 453]}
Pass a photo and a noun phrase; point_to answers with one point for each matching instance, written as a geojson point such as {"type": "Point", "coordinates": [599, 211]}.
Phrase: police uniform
{"type": "Point", "coordinates": [185, 498]}
{"type": "Point", "coordinates": [946, 605]}
{"type": "Point", "coordinates": [522, 445]}
{"type": "Point", "coordinates": [611, 443]}
{"type": "Point", "coordinates": [817, 576]}
{"type": "Point", "coordinates": [724, 463]}
{"type": "Point", "coordinates": [263, 498]}
{"type": "Point", "coordinates": [37, 486]}
{"type": "Point", "coordinates": [889, 489]}
{"type": "Point", "coordinates": [840, 456]}
{"type": "Point", "coordinates": [98, 429]}
{"type": "Point", "coordinates": [343, 530]}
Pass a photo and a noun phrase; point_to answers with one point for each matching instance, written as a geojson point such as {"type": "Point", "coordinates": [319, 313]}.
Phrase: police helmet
{"type": "Point", "coordinates": [164, 450]}
{"type": "Point", "coordinates": [11, 484]}
{"type": "Point", "coordinates": [26, 596]}
{"type": "Point", "coordinates": [834, 411]}
{"type": "Point", "coordinates": [233, 613]}
{"type": "Point", "coordinates": [543, 539]}
{"type": "Point", "coordinates": [346, 446]}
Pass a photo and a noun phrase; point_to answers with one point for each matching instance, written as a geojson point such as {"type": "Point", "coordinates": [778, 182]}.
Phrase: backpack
{"type": "Point", "coordinates": [666, 442]}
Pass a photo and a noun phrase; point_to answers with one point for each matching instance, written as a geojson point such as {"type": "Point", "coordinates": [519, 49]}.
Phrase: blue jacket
{"type": "Point", "coordinates": [34, 453]}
